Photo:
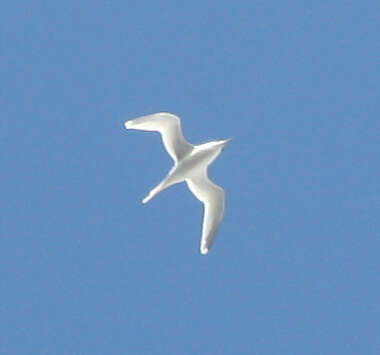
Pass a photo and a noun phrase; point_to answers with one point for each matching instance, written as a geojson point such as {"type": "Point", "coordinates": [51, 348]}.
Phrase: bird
{"type": "Point", "coordinates": [190, 165]}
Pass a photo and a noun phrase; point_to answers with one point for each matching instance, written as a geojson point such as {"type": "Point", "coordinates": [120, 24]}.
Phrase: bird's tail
{"type": "Point", "coordinates": [153, 193]}
{"type": "Point", "coordinates": [167, 182]}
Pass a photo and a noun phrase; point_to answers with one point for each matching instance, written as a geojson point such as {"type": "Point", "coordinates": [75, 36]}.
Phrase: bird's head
{"type": "Point", "coordinates": [217, 146]}
{"type": "Point", "coordinates": [223, 142]}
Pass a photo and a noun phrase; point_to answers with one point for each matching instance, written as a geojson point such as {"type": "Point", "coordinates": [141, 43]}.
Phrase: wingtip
{"type": "Point", "coordinates": [204, 250]}
{"type": "Point", "coordinates": [128, 124]}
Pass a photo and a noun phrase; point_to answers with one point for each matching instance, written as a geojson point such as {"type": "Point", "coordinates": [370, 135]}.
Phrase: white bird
{"type": "Point", "coordinates": [190, 165]}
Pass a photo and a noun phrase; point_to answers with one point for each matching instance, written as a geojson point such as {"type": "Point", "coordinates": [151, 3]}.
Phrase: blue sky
{"type": "Point", "coordinates": [85, 268]}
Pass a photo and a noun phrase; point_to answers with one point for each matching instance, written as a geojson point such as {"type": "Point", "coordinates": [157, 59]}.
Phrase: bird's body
{"type": "Point", "coordinates": [190, 166]}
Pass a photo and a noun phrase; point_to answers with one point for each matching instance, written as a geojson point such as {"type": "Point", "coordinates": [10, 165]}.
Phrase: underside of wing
{"type": "Point", "coordinates": [212, 196]}
{"type": "Point", "coordinates": [169, 126]}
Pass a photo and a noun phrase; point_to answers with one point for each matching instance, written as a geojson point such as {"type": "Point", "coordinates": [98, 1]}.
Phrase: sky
{"type": "Point", "coordinates": [85, 268]}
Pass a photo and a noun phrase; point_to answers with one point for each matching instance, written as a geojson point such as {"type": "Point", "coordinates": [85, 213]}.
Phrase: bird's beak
{"type": "Point", "coordinates": [224, 142]}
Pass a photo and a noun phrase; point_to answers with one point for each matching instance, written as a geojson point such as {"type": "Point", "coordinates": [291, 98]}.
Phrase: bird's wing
{"type": "Point", "coordinates": [212, 197]}
{"type": "Point", "coordinates": [169, 126]}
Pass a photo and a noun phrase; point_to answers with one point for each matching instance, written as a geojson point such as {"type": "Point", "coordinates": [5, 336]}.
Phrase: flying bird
{"type": "Point", "coordinates": [190, 165]}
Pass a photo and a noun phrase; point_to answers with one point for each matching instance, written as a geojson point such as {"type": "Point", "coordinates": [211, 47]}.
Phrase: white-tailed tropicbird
{"type": "Point", "coordinates": [190, 165]}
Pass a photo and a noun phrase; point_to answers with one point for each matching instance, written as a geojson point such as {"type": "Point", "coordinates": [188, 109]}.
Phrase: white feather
{"type": "Point", "coordinates": [191, 164]}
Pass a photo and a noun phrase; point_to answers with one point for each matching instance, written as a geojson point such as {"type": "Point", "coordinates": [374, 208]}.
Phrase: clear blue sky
{"type": "Point", "coordinates": [85, 268]}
